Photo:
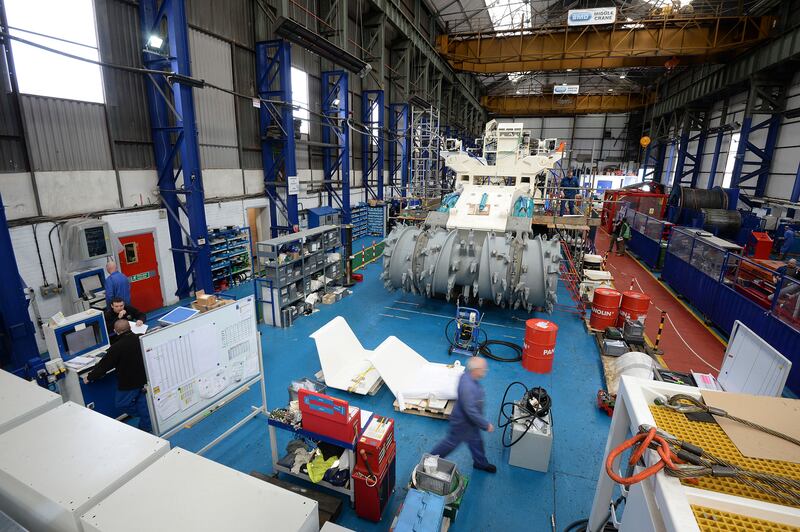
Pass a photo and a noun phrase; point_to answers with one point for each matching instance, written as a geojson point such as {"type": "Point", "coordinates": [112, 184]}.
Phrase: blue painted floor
{"type": "Point", "coordinates": [513, 499]}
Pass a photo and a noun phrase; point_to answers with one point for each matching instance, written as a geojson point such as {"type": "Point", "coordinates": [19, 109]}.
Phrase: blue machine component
{"type": "Point", "coordinates": [466, 338]}
{"type": "Point", "coordinates": [523, 207]}
{"type": "Point", "coordinates": [484, 200]}
{"type": "Point", "coordinates": [422, 511]}
{"type": "Point", "coordinates": [323, 215]}
{"type": "Point", "coordinates": [372, 111]}
{"type": "Point", "coordinates": [175, 143]}
{"type": "Point", "coordinates": [336, 137]}
{"type": "Point", "coordinates": [276, 127]}
{"type": "Point", "coordinates": [399, 155]}
{"type": "Point", "coordinates": [17, 334]}
{"type": "Point", "coordinates": [449, 201]}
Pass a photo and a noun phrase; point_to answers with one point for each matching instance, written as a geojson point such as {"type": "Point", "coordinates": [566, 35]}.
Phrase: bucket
{"type": "Point", "coordinates": [634, 307]}
{"type": "Point", "coordinates": [539, 346]}
{"type": "Point", "coordinates": [605, 308]}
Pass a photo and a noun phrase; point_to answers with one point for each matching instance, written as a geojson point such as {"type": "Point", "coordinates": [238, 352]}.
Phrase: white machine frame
{"type": "Point", "coordinates": [153, 337]}
{"type": "Point", "coordinates": [662, 503]}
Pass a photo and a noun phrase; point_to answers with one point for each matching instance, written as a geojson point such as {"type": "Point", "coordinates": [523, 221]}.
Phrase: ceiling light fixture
{"type": "Point", "coordinates": [623, 75]}
{"type": "Point", "coordinates": [610, 90]}
{"type": "Point", "coordinates": [155, 42]}
{"type": "Point", "coordinates": [569, 70]}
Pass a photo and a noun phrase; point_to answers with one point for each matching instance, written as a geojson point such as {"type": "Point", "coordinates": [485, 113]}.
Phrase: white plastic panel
{"type": "Point", "coordinates": [343, 358]}
{"type": "Point", "coordinates": [21, 400]}
{"type": "Point", "coordinates": [753, 366]}
{"type": "Point", "coordinates": [183, 491]}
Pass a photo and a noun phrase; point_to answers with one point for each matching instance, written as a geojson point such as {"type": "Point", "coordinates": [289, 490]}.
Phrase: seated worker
{"type": "Point", "coordinates": [120, 311]}
{"type": "Point", "coordinates": [125, 356]}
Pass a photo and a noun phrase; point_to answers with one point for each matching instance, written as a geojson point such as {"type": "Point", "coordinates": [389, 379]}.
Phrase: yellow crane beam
{"type": "Point", "coordinates": [552, 104]}
{"type": "Point", "coordinates": [620, 45]}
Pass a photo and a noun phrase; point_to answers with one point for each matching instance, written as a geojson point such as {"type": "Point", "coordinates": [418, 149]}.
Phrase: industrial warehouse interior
{"type": "Point", "coordinates": [404, 265]}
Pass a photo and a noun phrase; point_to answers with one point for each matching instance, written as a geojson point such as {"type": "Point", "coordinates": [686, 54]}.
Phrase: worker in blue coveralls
{"type": "Point", "coordinates": [467, 420]}
{"type": "Point", "coordinates": [569, 189]}
{"type": "Point", "coordinates": [788, 242]}
{"type": "Point", "coordinates": [117, 285]}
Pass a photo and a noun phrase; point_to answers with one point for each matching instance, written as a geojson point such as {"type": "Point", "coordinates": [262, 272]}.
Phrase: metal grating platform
{"type": "Point", "coordinates": [713, 439]}
{"type": "Point", "coordinates": [711, 520]}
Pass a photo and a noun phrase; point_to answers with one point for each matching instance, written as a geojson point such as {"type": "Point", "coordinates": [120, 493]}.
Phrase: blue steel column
{"type": "Point", "coordinates": [766, 98]}
{"type": "Point", "coordinates": [18, 333]}
{"type": "Point", "coordinates": [372, 144]}
{"type": "Point", "coordinates": [398, 148]}
{"type": "Point", "coordinates": [336, 138]}
{"type": "Point", "coordinates": [795, 197]}
{"type": "Point", "coordinates": [712, 174]}
{"type": "Point", "coordinates": [276, 128]}
{"type": "Point", "coordinates": [173, 134]}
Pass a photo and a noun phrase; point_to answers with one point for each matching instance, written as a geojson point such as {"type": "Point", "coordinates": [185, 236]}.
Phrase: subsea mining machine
{"type": "Point", "coordinates": [479, 244]}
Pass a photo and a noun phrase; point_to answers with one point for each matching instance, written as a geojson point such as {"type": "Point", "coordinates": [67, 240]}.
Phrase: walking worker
{"type": "Point", "coordinates": [623, 236]}
{"type": "Point", "coordinates": [125, 356]}
{"type": "Point", "coordinates": [569, 189]}
{"type": "Point", "coordinates": [467, 420]}
{"type": "Point", "coordinates": [614, 234]}
{"type": "Point", "coordinates": [788, 242]}
{"type": "Point", "coordinates": [117, 284]}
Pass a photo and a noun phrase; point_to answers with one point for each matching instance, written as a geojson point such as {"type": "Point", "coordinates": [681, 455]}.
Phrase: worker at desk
{"type": "Point", "coordinates": [125, 356]}
{"type": "Point", "coordinates": [119, 310]}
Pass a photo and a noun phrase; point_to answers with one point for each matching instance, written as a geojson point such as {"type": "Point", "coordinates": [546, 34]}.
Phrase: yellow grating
{"type": "Point", "coordinates": [710, 520]}
{"type": "Point", "coordinates": [713, 439]}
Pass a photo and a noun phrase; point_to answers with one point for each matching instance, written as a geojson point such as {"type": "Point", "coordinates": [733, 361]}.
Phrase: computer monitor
{"type": "Point", "coordinates": [95, 241]}
{"type": "Point", "coordinates": [92, 283]}
{"type": "Point", "coordinates": [82, 339]}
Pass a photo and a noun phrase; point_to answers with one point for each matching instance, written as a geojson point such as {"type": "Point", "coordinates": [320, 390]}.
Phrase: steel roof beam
{"type": "Point", "coordinates": [551, 104]}
{"type": "Point", "coordinates": [621, 45]}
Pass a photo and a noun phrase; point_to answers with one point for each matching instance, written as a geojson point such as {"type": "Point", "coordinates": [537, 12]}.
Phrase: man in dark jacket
{"type": "Point", "coordinates": [125, 356]}
{"type": "Point", "coordinates": [119, 310]}
{"type": "Point", "coordinates": [467, 420]}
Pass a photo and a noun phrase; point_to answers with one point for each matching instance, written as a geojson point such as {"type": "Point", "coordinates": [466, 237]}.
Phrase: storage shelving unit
{"type": "Point", "coordinates": [358, 218]}
{"type": "Point", "coordinates": [288, 264]}
{"type": "Point", "coordinates": [231, 256]}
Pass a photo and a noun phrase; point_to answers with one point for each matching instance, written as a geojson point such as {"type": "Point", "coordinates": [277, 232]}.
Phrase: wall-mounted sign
{"type": "Point", "coordinates": [565, 89]}
{"type": "Point", "coordinates": [589, 17]}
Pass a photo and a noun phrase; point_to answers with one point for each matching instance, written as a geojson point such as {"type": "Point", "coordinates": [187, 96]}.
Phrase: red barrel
{"type": "Point", "coordinates": [539, 346]}
{"type": "Point", "coordinates": [605, 308]}
{"type": "Point", "coordinates": [634, 307]}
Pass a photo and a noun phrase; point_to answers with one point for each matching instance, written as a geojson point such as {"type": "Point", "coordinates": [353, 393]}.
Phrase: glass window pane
{"type": "Point", "coordinates": [300, 98]}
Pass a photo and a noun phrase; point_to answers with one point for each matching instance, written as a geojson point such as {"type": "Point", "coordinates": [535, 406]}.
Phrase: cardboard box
{"type": "Point", "coordinates": [328, 299]}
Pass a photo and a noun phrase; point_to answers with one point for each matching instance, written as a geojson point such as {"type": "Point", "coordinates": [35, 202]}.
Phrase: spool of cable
{"type": "Point", "coordinates": [722, 221]}
{"type": "Point", "coordinates": [696, 199]}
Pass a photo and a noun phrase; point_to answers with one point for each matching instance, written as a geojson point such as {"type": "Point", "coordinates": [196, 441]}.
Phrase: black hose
{"type": "Point", "coordinates": [529, 413]}
{"type": "Point", "coordinates": [39, 254]}
{"type": "Point", "coordinates": [487, 352]}
{"type": "Point", "coordinates": [582, 525]}
{"type": "Point", "coordinates": [52, 251]}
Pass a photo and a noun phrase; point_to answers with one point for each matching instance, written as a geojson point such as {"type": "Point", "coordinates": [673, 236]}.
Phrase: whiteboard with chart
{"type": "Point", "coordinates": [193, 365]}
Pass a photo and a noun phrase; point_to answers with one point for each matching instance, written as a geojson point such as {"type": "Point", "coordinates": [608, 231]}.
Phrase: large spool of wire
{"type": "Point", "coordinates": [722, 221]}
{"type": "Point", "coordinates": [699, 198]}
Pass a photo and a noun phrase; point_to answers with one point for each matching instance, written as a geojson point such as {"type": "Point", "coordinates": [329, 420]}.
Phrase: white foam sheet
{"type": "Point", "coordinates": [345, 363]}
{"type": "Point", "coordinates": [411, 377]}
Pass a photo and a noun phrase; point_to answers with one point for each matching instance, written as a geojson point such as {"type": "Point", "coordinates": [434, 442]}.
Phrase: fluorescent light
{"type": "Point", "coordinates": [569, 70]}
{"type": "Point", "coordinates": [519, 92]}
{"type": "Point", "coordinates": [610, 90]}
{"type": "Point", "coordinates": [622, 76]}
{"type": "Point", "coordinates": [155, 42]}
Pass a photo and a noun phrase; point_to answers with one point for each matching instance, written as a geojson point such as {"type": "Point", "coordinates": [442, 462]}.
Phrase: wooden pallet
{"type": "Point", "coordinates": [424, 410]}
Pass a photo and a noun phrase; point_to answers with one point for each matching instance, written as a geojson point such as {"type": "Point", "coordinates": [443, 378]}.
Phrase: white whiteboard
{"type": "Point", "coordinates": [196, 363]}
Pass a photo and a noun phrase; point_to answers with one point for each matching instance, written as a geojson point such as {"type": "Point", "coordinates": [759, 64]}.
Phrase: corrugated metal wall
{"type": "Point", "coordinates": [216, 116]}
{"type": "Point", "coordinates": [244, 74]}
{"type": "Point", "coordinates": [12, 146]}
{"type": "Point", "coordinates": [126, 98]}
{"type": "Point", "coordinates": [231, 19]}
{"type": "Point", "coordinates": [66, 135]}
